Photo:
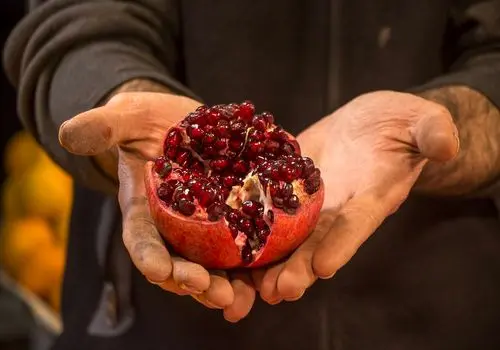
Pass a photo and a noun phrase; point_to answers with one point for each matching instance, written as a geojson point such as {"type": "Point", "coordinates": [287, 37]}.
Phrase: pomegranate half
{"type": "Point", "coordinates": [232, 189]}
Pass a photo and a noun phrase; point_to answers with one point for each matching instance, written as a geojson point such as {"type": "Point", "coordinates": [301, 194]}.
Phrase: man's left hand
{"type": "Point", "coordinates": [370, 152]}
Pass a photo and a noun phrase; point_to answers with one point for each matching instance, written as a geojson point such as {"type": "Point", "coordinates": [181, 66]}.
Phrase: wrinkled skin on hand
{"type": "Point", "coordinates": [372, 152]}
{"type": "Point", "coordinates": [132, 126]}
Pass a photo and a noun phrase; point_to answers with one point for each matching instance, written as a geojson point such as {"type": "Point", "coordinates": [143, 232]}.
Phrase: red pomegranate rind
{"type": "Point", "coordinates": [285, 236]}
{"type": "Point", "coordinates": [216, 249]}
{"type": "Point", "coordinates": [232, 189]}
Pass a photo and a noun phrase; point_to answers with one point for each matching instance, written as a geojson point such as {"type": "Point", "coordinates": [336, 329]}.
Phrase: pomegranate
{"type": "Point", "coordinates": [232, 189]}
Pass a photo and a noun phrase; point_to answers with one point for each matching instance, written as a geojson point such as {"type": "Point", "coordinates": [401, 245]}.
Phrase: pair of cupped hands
{"type": "Point", "coordinates": [371, 152]}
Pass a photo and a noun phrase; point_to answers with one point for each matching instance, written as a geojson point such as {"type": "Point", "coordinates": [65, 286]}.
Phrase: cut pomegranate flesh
{"type": "Point", "coordinates": [232, 189]}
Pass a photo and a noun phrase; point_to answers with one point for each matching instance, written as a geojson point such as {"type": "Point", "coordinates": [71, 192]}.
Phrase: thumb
{"type": "Point", "coordinates": [94, 132]}
{"type": "Point", "coordinates": [437, 136]}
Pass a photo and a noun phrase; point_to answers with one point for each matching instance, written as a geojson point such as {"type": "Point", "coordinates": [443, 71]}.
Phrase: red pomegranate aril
{"type": "Point", "coordinates": [210, 151]}
{"type": "Point", "coordinates": [206, 196]}
{"type": "Point", "coordinates": [229, 181]}
{"type": "Point", "coordinates": [165, 192]}
{"type": "Point", "coordinates": [222, 128]}
{"type": "Point", "coordinates": [272, 146]}
{"type": "Point", "coordinates": [220, 144]}
{"type": "Point", "coordinates": [251, 208]}
{"type": "Point", "coordinates": [237, 127]}
{"type": "Point", "coordinates": [246, 254]}
{"type": "Point", "coordinates": [313, 182]}
{"type": "Point", "coordinates": [219, 164]}
{"type": "Point", "coordinates": [174, 138]}
{"type": "Point", "coordinates": [173, 183]}
{"type": "Point", "coordinates": [256, 147]}
{"type": "Point", "coordinates": [171, 152]}
{"type": "Point", "coordinates": [263, 234]}
{"type": "Point", "coordinates": [195, 132]}
{"type": "Point", "coordinates": [208, 138]}
{"type": "Point", "coordinates": [286, 191]}
{"type": "Point", "coordinates": [182, 156]}
{"type": "Point", "coordinates": [195, 186]}
{"type": "Point", "coordinates": [293, 202]}
{"type": "Point", "coordinates": [246, 111]}
{"type": "Point", "coordinates": [274, 189]}
{"type": "Point", "coordinates": [233, 229]}
{"type": "Point", "coordinates": [287, 148]}
{"type": "Point", "coordinates": [269, 117]}
{"type": "Point", "coordinates": [215, 211]}
{"type": "Point", "coordinates": [182, 192]}
{"type": "Point", "coordinates": [198, 167]}
{"type": "Point", "coordinates": [260, 223]}
{"type": "Point", "coordinates": [245, 225]}
{"type": "Point", "coordinates": [308, 167]}
{"type": "Point", "coordinates": [235, 144]}
{"type": "Point", "coordinates": [278, 202]}
{"type": "Point", "coordinates": [240, 167]}
{"type": "Point", "coordinates": [233, 216]}
{"type": "Point", "coordinates": [186, 207]}
{"type": "Point", "coordinates": [202, 108]}
{"type": "Point", "coordinates": [259, 122]}
{"type": "Point", "coordinates": [275, 174]}
{"type": "Point", "coordinates": [162, 167]}
{"type": "Point", "coordinates": [213, 116]}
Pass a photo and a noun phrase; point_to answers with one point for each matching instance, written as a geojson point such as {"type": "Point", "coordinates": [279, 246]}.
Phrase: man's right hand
{"type": "Point", "coordinates": [131, 126]}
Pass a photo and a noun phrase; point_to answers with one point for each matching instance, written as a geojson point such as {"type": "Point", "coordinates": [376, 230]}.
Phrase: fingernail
{"type": "Point", "coordinates": [189, 289]}
{"type": "Point", "coordinates": [327, 277]}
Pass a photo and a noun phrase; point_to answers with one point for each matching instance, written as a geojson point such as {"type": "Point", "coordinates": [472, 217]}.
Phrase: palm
{"type": "Point", "coordinates": [373, 151]}
{"type": "Point", "coordinates": [135, 125]}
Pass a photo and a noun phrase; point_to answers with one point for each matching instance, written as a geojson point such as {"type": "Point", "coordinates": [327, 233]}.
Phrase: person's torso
{"type": "Point", "coordinates": [425, 280]}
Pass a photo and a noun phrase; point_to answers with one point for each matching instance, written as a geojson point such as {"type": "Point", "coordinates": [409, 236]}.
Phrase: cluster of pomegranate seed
{"type": "Point", "coordinates": [214, 150]}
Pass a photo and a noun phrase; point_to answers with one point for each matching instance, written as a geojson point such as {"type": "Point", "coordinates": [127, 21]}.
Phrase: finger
{"type": "Point", "coordinates": [202, 299]}
{"type": "Point", "coordinates": [171, 286]}
{"type": "Point", "coordinates": [143, 241]}
{"type": "Point", "coordinates": [257, 277]}
{"type": "Point", "coordinates": [354, 223]}
{"type": "Point", "coordinates": [437, 136]}
{"type": "Point", "coordinates": [268, 289]}
{"type": "Point", "coordinates": [189, 276]}
{"type": "Point", "coordinates": [97, 130]}
{"type": "Point", "coordinates": [140, 236]}
{"type": "Point", "coordinates": [220, 292]}
{"type": "Point", "coordinates": [297, 274]}
{"type": "Point", "coordinates": [244, 298]}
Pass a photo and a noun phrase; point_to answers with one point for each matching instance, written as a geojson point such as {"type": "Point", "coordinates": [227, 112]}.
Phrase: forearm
{"type": "Point", "coordinates": [477, 164]}
{"type": "Point", "coordinates": [108, 161]}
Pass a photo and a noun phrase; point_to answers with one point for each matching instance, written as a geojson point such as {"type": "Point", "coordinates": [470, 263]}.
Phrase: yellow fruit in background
{"type": "Point", "coordinates": [22, 239]}
{"type": "Point", "coordinates": [55, 297]}
{"type": "Point", "coordinates": [46, 191]}
{"type": "Point", "coordinates": [43, 270]}
{"type": "Point", "coordinates": [62, 228]}
{"type": "Point", "coordinates": [21, 152]}
{"type": "Point", "coordinates": [12, 206]}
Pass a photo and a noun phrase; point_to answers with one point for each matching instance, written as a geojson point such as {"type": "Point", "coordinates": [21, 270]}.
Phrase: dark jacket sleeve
{"type": "Point", "coordinates": [472, 48]}
{"type": "Point", "coordinates": [473, 51]}
{"type": "Point", "coordinates": [66, 56]}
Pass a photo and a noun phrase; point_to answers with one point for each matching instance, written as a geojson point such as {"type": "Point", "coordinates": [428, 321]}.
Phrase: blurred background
{"type": "Point", "coordinates": [34, 214]}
